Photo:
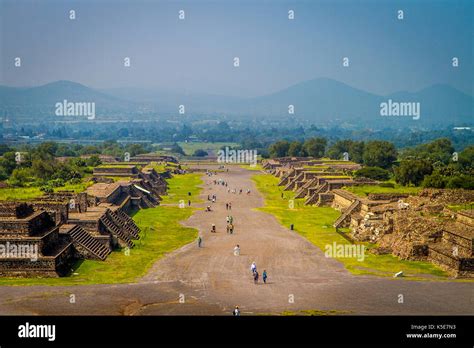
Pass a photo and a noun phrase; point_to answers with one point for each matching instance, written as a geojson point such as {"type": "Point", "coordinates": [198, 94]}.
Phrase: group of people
{"type": "Point", "coordinates": [256, 275]}
{"type": "Point", "coordinates": [212, 198]}
{"type": "Point", "coordinates": [220, 182]}
{"type": "Point", "coordinates": [228, 206]}
{"type": "Point", "coordinates": [230, 225]}
{"type": "Point", "coordinates": [235, 191]}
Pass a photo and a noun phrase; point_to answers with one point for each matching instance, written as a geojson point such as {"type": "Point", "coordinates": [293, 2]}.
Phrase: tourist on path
{"type": "Point", "coordinates": [189, 203]}
{"type": "Point", "coordinates": [255, 277]}
{"type": "Point", "coordinates": [237, 250]}
{"type": "Point", "coordinates": [264, 276]}
{"type": "Point", "coordinates": [199, 241]}
{"type": "Point", "coordinates": [231, 219]}
{"type": "Point", "coordinates": [213, 228]}
{"type": "Point", "coordinates": [236, 311]}
{"type": "Point", "coordinates": [253, 267]}
{"type": "Point", "coordinates": [230, 206]}
{"type": "Point", "coordinates": [227, 206]}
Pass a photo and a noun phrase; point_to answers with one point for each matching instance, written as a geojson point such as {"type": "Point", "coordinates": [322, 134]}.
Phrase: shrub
{"type": "Point", "coordinates": [200, 153]}
{"type": "Point", "coordinates": [375, 173]}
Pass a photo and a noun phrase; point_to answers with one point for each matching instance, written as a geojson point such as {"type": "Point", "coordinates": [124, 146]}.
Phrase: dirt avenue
{"type": "Point", "coordinates": [212, 280]}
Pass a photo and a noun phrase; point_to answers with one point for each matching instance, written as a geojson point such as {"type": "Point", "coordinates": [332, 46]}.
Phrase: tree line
{"type": "Point", "coordinates": [434, 164]}
{"type": "Point", "coordinates": [39, 165]}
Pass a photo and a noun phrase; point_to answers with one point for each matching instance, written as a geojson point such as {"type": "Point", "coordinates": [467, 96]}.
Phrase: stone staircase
{"type": "Point", "coordinates": [82, 238]}
{"type": "Point", "coordinates": [147, 202]}
{"type": "Point", "coordinates": [128, 219]}
{"type": "Point", "coordinates": [292, 182]}
{"type": "Point", "coordinates": [455, 252]}
{"type": "Point", "coordinates": [346, 214]}
{"type": "Point", "coordinates": [313, 199]}
{"type": "Point", "coordinates": [303, 190]}
{"type": "Point", "coordinates": [116, 231]}
{"type": "Point", "coordinates": [120, 221]}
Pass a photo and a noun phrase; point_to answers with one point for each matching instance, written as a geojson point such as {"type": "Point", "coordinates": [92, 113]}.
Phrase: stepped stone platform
{"type": "Point", "coordinates": [417, 227]}
{"type": "Point", "coordinates": [61, 227]}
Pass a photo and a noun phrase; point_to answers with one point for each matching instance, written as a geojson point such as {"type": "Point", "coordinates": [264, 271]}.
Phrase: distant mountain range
{"type": "Point", "coordinates": [320, 101]}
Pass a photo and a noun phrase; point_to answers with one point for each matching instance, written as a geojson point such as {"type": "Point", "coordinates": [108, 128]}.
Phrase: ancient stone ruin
{"type": "Point", "coordinates": [413, 227]}
{"type": "Point", "coordinates": [45, 237]}
{"type": "Point", "coordinates": [417, 227]}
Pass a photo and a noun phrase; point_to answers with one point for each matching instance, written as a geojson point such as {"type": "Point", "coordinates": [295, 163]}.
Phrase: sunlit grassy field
{"type": "Point", "coordinates": [364, 190]}
{"type": "Point", "coordinates": [315, 224]}
{"type": "Point", "coordinates": [160, 234]}
{"type": "Point", "coordinates": [190, 147]}
{"type": "Point", "coordinates": [26, 193]}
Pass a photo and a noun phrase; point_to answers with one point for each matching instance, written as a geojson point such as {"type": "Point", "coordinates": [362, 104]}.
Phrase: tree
{"type": "Point", "coordinates": [296, 149]}
{"type": "Point", "coordinates": [461, 181]}
{"type": "Point", "coordinates": [279, 149]}
{"type": "Point", "coordinates": [200, 153]}
{"type": "Point", "coordinates": [435, 180]}
{"type": "Point", "coordinates": [93, 161]}
{"type": "Point", "coordinates": [466, 157]}
{"type": "Point", "coordinates": [8, 162]}
{"type": "Point", "coordinates": [355, 149]}
{"type": "Point", "coordinates": [379, 154]}
{"type": "Point", "coordinates": [412, 171]}
{"type": "Point", "coordinates": [315, 147]}
{"type": "Point", "coordinates": [375, 173]}
{"type": "Point", "coordinates": [20, 177]}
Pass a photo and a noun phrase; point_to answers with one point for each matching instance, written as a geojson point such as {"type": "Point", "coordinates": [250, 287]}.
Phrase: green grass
{"type": "Point", "coordinates": [28, 193]}
{"type": "Point", "coordinates": [459, 207]}
{"type": "Point", "coordinates": [315, 224]}
{"type": "Point", "coordinates": [122, 165]}
{"type": "Point", "coordinates": [364, 190]}
{"type": "Point", "coordinates": [257, 167]}
{"type": "Point", "coordinates": [118, 178]}
{"type": "Point", "coordinates": [162, 167]}
{"type": "Point", "coordinates": [180, 185]}
{"type": "Point", "coordinates": [19, 193]}
{"type": "Point", "coordinates": [190, 147]}
{"type": "Point", "coordinates": [161, 233]}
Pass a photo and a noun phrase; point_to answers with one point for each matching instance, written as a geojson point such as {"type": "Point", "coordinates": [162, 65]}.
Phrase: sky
{"type": "Point", "coordinates": [197, 54]}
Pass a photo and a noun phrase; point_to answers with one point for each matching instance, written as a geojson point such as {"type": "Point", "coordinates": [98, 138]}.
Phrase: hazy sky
{"type": "Point", "coordinates": [196, 54]}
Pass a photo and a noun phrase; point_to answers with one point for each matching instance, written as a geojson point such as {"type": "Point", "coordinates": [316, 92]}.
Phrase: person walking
{"type": "Point", "coordinates": [231, 219]}
{"type": "Point", "coordinates": [230, 206]}
{"type": "Point", "coordinates": [189, 202]}
{"type": "Point", "coordinates": [237, 250]}
{"type": "Point", "coordinates": [213, 228]}
{"type": "Point", "coordinates": [236, 312]}
{"type": "Point", "coordinates": [253, 267]}
{"type": "Point", "coordinates": [264, 276]}
{"type": "Point", "coordinates": [227, 206]}
{"type": "Point", "coordinates": [199, 242]}
{"type": "Point", "coordinates": [255, 277]}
